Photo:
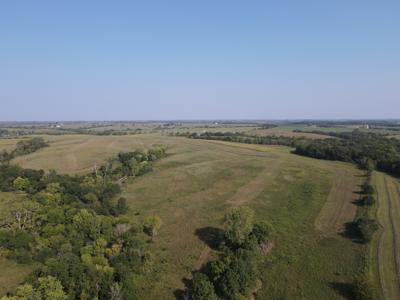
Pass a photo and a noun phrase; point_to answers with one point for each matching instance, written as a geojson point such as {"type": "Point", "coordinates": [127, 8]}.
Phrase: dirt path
{"type": "Point", "coordinates": [339, 207]}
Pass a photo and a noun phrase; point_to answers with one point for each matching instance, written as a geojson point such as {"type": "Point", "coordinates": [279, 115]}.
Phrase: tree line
{"type": "Point", "coordinates": [241, 137]}
{"type": "Point", "coordinates": [357, 147]}
{"type": "Point", "coordinates": [74, 229]}
{"type": "Point", "coordinates": [23, 147]}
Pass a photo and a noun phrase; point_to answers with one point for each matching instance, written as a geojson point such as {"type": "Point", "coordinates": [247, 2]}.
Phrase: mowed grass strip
{"type": "Point", "coordinates": [339, 208]}
{"type": "Point", "coordinates": [388, 240]}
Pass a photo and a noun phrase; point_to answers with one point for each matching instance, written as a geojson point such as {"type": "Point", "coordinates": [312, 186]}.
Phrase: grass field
{"type": "Point", "coordinates": [385, 254]}
{"type": "Point", "coordinates": [75, 154]}
{"type": "Point", "coordinates": [7, 144]}
{"type": "Point", "coordinates": [200, 180]}
{"type": "Point", "coordinates": [307, 201]}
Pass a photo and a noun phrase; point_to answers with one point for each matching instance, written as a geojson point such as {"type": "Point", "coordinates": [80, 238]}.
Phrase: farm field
{"type": "Point", "coordinates": [307, 201]}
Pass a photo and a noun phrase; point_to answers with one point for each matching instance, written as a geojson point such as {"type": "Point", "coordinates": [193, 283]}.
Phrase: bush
{"type": "Point", "coordinates": [368, 188]}
{"type": "Point", "coordinates": [363, 289]}
{"type": "Point", "coordinates": [202, 288]}
{"type": "Point", "coordinates": [366, 228]}
{"type": "Point", "coordinates": [368, 200]}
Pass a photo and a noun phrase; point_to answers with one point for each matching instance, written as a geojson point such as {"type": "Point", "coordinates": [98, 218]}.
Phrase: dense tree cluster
{"type": "Point", "coordinates": [234, 274]}
{"type": "Point", "coordinates": [357, 147]}
{"type": "Point", "coordinates": [73, 227]}
{"type": "Point", "coordinates": [23, 147]}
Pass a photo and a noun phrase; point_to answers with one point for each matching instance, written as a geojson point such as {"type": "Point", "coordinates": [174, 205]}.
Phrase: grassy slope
{"type": "Point", "coordinates": [79, 153]}
{"type": "Point", "coordinates": [11, 273]}
{"type": "Point", "coordinates": [194, 186]}
{"type": "Point", "coordinates": [7, 144]}
{"type": "Point", "coordinates": [200, 180]}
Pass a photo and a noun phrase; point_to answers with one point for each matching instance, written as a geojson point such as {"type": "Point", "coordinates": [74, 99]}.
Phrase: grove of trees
{"type": "Point", "coordinates": [74, 229]}
{"type": "Point", "coordinates": [234, 274]}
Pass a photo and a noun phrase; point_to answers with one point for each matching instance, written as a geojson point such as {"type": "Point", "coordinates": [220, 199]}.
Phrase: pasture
{"type": "Point", "coordinates": [307, 201]}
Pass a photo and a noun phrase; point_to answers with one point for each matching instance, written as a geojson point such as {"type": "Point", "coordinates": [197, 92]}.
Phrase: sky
{"type": "Point", "coordinates": [186, 60]}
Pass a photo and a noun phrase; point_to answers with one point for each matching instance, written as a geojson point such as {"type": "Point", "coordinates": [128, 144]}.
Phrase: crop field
{"type": "Point", "coordinates": [386, 267]}
{"type": "Point", "coordinates": [307, 201]}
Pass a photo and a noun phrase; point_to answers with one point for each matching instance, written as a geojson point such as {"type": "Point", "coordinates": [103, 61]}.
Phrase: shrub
{"type": "Point", "coordinates": [202, 288]}
{"type": "Point", "coordinates": [366, 228]}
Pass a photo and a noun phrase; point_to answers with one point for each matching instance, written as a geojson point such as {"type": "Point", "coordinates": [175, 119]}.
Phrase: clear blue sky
{"type": "Point", "coordinates": [110, 60]}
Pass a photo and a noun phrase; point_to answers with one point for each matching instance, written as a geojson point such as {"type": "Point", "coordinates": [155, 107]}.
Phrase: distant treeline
{"type": "Point", "coordinates": [23, 147]}
{"type": "Point", "coordinates": [241, 137]}
{"type": "Point", "coordinates": [355, 146]}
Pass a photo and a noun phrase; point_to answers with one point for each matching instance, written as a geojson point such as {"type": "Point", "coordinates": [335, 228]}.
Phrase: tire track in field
{"type": "Point", "coordinates": [380, 254]}
{"type": "Point", "coordinates": [394, 231]}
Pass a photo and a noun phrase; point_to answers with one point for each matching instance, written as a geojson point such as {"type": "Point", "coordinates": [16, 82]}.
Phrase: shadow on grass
{"type": "Point", "coordinates": [358, 202]}
{"type": "Point", "coordinates": [183, 294]}
{"type": "Point", "coordinates": [351, 232]}
{"type": "Point", "coordinates": [343, 288]}
{"type": "Point", "coordinates": [211, 236]}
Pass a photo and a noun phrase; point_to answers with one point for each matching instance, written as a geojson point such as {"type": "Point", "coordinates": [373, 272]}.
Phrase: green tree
{"type": "Point", "coordinates": [202, 289]}
{"type": "Point", "coordinates": [26, 291]}
{"type": "Point", "coordinates": [238, 225]}
{"type": "Point", "coordinates": [51, 289]}
{"type": "Point", "coordinates": [21, 184]}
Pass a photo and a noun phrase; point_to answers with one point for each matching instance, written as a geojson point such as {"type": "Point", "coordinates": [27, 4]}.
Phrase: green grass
{"type": "Point", "coordinates": [199, 181]}
{"type": "Point", "coordinates": [193, 188]}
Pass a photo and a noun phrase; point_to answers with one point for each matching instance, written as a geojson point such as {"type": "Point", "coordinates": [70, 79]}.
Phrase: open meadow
{"type": "Point", "coordinates": [307, 201]}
